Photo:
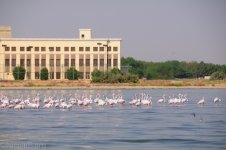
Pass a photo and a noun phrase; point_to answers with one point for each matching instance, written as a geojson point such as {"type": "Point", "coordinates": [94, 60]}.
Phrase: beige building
{"type": "Point", "coordinates": [57, 55]}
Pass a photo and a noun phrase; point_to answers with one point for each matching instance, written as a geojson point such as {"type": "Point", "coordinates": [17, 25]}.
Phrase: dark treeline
{"type": "Point", "coordinates": [172, 69]}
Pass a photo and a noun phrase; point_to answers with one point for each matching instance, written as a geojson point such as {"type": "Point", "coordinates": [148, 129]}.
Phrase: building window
{"type": "Point", "coordinates": [73, 49]}
{"type": "Point", "coordinates": [101, 62]}
{"type": "Point", "coordinates": [51, 49]}
{"type": "Point", "coordinates": [36, 49]}
{"type": "Point", "coordinates": [101, 49]}
{"type": "Point", "coordinates": [29, 49]}
{"type": "Point", "coordinates": [87, 62]}
{"type": "Point", "coordinates": [80, 75]}
{"type": "Point", "coordinates": [58, 49]}
{"type": "Point", "coordinates": [36, 62]}
{"type": "Point", "coordinates": [21, 62]}
{"type": "Point", "coordinates": [57, 62]}
{"type": "Point", "coordinates": [28, 62]}
{"type": "Point", "coordinates": [87, 75]}
{"type": "Point", "coordinates": [109, 62]}
{"type": "Point", "coordinates": [66, 62]}
{"type": "Point", "coordinates": [81, 49]}
{"type": "Point", "coordinates": [66, 49]}
{"type": "Point", "coordinates": [7, 48]}
{"type": "Point", "coordinates": [57, 75]}
{"type": "Point", "coordinates": [7, 62]}
{"type": "Point", "coordinates": [51, 75]}
{"type": "Point", "coordinates": [13, 62]}
{"type": "Point", "coordinates": [14, 49]}
{"type": "Point", "coordinates": [72, 62]}
{"type": "Point", "coordinates": [109, 48]}
{"type": "Point", "coordinates": [115, 62]}
{"type": "Point", "coordinates": [43, 49]}
{"type": "Point", "coordinates": [95, 62]}
{"type": "Point", "coordinates": [28, 75]}
{"type": "Point", "coordinates": [43, 62]}
{"type": "Point", "coordinates": [115, 49]}
{"type": "Point", "coordinates": [21, 49]}
{"type": "Point", "coordinates": [51, 62]}
{"type": "Point", "coordinates": [83, 35]}
{"type": "Point", "coordinates": [36, 75]}
{"type": "Point", "coordinates": [95, 49]}
{"type": "Point", "coordinates": [81, 62]}
{"type": "Point", "coordinates": [87, 49]}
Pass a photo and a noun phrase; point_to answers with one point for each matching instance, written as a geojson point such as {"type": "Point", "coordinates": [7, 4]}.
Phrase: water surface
{"type": "Point", "coordinates": [159, 126]}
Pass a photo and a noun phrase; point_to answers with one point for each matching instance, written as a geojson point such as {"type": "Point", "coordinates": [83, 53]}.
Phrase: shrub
{"type": "Point", "coordinates": [97, 76]}
{"type": "Point", "coordinates": [44, 74]}
{"type": "Point", "coordinates": [72, 74]}
{"type": "Point", "coordinates": [218, 75]}
{"type": "Point", "coordinates": [114, 76]}
{"type": "Point", "coordinates": [19, 73]}
{"type": "Point", "coordinates": [131, 78]}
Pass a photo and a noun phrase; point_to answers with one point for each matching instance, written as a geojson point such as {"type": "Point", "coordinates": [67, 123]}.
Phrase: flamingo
{"type": "Point", "coordinates": [201, 102]}
{"type": "Point", "coordinates": [162, 100]}
{"type": "Point", "coordinates": [121, 100]}
{"type": "Point", "coordinates": [216, 100]}
{"type": "Point", "coordinates": [101, 102]}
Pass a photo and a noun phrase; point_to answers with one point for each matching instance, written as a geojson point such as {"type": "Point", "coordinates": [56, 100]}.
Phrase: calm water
{"type": "Point", "coordinates": [160, 126]}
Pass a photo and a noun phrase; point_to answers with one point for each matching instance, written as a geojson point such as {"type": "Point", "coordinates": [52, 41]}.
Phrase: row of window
{"type": "Point", "coordinates": [66, 62]}
{"type": "Point", "coordinates": [66, 49]}
{"type": "Point", "coordinates": [59, 74]}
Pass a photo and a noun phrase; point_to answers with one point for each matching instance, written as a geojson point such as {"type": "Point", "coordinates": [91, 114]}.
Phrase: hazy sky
{"type": "Point", "coordinates": [151, 30]}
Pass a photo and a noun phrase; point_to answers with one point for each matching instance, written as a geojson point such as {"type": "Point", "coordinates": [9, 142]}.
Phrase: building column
{"type": "Point", "coordinates": [112, 58]}
{"type": "Point", "coordinates": [84, 65]}
{"type": "Point", "coordinates": [62, 68]}
{"type": "Point", "coordinates": [17, 59]}
{"type": "Point", "coordinates": [91, 64]}
{"type": "Point", "coordinates": [32, 66]}
{"type": "Point", "coordinates": [69, 60]}
{"type": "Point", "coordinates": [54, 66]}
{"type": "Point", "coordinates": [98, 61]}
{"type": "Point", "coordinates": [105, 60]}
{"type": "Point", "coordinates": [47, 62]}
{"type": "Point", "coordinates": [10, 63]}
{"type": "Point", "coordinates": [25, 65]}
{"type": "Point", "coordinates": [2, 63]}
{"type": "Point", "coordinates": [77, 62]}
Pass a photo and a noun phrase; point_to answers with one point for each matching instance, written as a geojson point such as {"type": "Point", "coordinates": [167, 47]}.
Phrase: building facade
{"type": "Point", "coordinates": [84, 54]}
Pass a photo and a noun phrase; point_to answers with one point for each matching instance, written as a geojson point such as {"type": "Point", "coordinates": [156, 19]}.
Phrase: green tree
{"type": "Point", "coordinates": [44, 74]}
{"type": "Point", "coordinates": [72, 74]}
{"type": "Point", "coordinates": [19, 73]}
{"type": "Point", "coordinates": [218, 75]}
{"type": "Point", "coordinates": [136, 67]}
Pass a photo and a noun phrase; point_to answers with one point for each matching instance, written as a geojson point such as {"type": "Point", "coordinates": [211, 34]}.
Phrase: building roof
{"type": "Point", "coordinates": [59, 39]}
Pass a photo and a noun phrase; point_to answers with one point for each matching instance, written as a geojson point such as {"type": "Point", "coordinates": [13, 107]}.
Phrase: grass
{"type": "Point", "coordinates": [142, 83]}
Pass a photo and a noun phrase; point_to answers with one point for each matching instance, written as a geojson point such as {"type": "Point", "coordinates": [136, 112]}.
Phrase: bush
{"type": "Point", "coordinates": [44, 74]}
{"type": "Point", "coordinates": [97, 76]}
{"type": "Point", "coordinates": [114, 76]}
{"type": "Point", "coordinates": [131, 78]}
{"type": "Point", "coordinates": [218, 75]}
{"type": "Point", "coordinates": [72, 74]}
{"type": "Point", "coordinates": [19, 73]}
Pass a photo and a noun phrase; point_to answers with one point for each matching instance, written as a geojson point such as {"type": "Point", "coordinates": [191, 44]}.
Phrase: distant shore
{"type": "Point", "coordinates": [86, 84]}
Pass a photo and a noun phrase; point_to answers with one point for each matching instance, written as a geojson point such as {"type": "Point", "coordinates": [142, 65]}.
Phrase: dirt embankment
{"type": "Point", "coordinates": [185, 83]}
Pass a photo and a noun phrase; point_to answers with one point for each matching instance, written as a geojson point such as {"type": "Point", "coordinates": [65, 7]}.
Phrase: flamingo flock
{"type": "Point", "coordinates": [70, 101]}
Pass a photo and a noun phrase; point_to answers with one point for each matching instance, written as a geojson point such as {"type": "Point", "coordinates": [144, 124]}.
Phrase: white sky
{"type": "Point", "coordinates": [152, 30]}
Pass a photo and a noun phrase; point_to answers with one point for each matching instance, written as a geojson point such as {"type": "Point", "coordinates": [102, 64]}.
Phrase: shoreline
{"type": "Point", "coordinates": [111, 87]}
{"type": "Point", "coordinates": [86, 84]}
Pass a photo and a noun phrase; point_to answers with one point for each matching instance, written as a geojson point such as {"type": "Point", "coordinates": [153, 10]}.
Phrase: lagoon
{"type": "Point", "coordinates": [159, 126]}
